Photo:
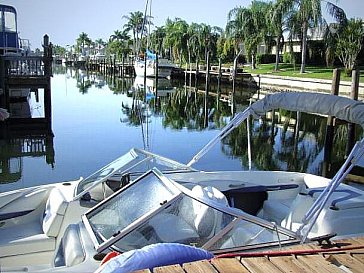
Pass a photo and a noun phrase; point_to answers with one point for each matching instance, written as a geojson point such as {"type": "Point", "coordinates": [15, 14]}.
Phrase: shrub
{"type": "Point", "coordinates": [287, 57]}
{"type": "Point", "coordinates": [266, 58]}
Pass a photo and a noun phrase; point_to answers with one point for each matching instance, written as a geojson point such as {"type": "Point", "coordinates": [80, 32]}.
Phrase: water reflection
{"type": "Point", "coordinates": [97, 118]}
{"type": "Point", "coordinates": [17, 143]}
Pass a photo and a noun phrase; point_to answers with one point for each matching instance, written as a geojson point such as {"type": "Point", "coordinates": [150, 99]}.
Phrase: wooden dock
{"type": "Point", "coordinates": [21, 72]}
{"type": "Point", "coordinates": [111, 67]}
{"type": "Point", "coordinates": [346, 256]}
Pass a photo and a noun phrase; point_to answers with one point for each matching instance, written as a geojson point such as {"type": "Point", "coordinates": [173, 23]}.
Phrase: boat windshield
{"type": "Point", "coordinates": [134, 163]}
{"type": "Point", "coordinates": [154, 209]}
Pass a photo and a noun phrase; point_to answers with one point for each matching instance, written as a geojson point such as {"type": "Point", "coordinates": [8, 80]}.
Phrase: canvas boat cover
{"type": "Point", "coordinates": [318, 103]}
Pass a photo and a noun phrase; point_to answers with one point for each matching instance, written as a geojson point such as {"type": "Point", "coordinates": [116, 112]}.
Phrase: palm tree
{"type": "Point", "coordinates": [137, 24]}
{"type": "Point", "coordinates": [157, 38]}
{"type": "Point", "coordinates": [83, 40]}
{"type": "Point", "coordinates": [309, 14]}
{"type": "Point", "coordinates": [234, 28]}
{"type": "Point", "coordinates": [276, 21]}
{"type": "Point", "coordinates": [176, 37]}
{"type": "Point", "coordinates": [99, 43]}
{"type": "Point", "coordinates": [249, 26]}
{"type": "Point", "coordinates": [349, 43]}
{"type": "Point", "coordinates": [209, 36]}
{"type": "Point", "coordinates": [119, 43]}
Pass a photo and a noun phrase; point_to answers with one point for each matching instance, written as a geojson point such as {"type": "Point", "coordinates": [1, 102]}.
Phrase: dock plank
{"type": "Point", "coordinates": [259, 265]}
{"type": "Point", "coordinates": [358, 256]}
{"type": "Point", "coordinates": [289, 264]}
{"type": "Point", "coordinates": [229, 265]}
{"type": "Point", "coordinates": [342, 259]}
{"type": "Point", "coordinates": [199, 267]}
{"type": "Point", "coordinates": [318, 264]}
{"type": "Point", "coordinates": [346, 260]}
{"type": "Point", "coordinates": [169, 269]}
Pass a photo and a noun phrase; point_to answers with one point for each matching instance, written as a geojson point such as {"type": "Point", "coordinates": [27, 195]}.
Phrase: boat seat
{"type": "Point", "coordinates": [342, 202]}
{"type": "Point", "coordinates": [276, 210]}
{"type": "Point", "coordinates": [194, 220]}
{"type": "Point", "coordinates": [73, 247]}
{"type": "Point", "coordinates": [37, 235]}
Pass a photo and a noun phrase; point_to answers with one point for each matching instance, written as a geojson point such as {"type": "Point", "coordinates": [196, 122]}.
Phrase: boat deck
{"type": "Point", "coordinates": [346, 256]}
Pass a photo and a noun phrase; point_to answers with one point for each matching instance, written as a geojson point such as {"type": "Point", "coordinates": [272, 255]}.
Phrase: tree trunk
{"type": "Point", "coordinates": [253, 61]}
{"type": "Point", "coordinates": [276, 67]}
{"type": "Point", "coordinates": [304, 47]}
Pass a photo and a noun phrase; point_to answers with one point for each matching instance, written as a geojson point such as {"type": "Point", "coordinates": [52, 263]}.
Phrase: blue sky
{"type": "Point", "coordinates": [64, 20]}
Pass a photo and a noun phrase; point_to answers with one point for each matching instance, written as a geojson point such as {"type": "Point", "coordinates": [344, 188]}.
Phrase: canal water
{"type": "Point", "coordinates": [97, 119]}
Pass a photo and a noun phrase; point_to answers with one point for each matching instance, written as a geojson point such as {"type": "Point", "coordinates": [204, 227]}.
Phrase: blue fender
{"type": "Point", "coordinates": [152, 256]}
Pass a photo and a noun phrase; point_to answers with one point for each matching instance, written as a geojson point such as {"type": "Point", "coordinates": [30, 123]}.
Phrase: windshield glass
{"type": "Point", "coordinates": [189, 221]}
{"type": "Point", "coordinates": [10, 21]}
{"type": "Point", "coordinates": [244, 234]}
{"type": "Point", "coordinates": [155, 210]}
{"type": "Point", "coordinates": [135, 163]}
{"type": "Point", "coordinates": [121, 210]}
{"type": "Point", "coordinates": [185, 221]}
{"type": "Point", "coordinates": [106, 172]}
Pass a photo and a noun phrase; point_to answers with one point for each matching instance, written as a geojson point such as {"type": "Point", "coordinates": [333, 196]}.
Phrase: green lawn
{"type": "Point", "coordinates": [317, 72]}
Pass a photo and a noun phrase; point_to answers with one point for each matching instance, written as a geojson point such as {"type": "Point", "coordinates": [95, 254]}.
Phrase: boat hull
{"type": "Point", "coordinates": [164, 70]}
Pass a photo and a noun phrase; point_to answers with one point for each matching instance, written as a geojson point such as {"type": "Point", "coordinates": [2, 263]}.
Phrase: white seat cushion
{"type": "Point", "coordinates": [53, 214]}
{"type": "Point", "coordinates": [276, 209]}
{"type": "Point", "coordinates": [27, 239]}
{"type": "Point", "coordinates": [171, 228]}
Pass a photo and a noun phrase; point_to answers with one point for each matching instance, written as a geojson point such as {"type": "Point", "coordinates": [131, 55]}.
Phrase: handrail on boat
{"type": "Point", "coordinates": [325, 104]}
{"type": "Point", "coordinates": [235, 122]}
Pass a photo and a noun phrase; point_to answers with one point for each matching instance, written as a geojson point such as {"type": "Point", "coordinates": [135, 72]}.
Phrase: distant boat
{"type": "Point", "coordinates": [9, 39]}
{"type": "Point", "coordinates": [164, 87]}
{"type": "Point", "coordinates": [165, 66]}
{"type": "Point", "coordinates": [80, 62]}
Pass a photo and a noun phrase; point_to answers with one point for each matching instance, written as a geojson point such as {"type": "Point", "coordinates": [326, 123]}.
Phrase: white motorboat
{"type": "Point", "coordinates": [148, 67]}
{"type": "Point", "coordinates": [160, 87]}
{"type": "Point", "coordinates": [142, 199]}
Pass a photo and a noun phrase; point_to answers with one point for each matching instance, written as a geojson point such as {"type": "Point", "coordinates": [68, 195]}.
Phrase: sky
{"type": "Point", "coordinates": [64, 20]}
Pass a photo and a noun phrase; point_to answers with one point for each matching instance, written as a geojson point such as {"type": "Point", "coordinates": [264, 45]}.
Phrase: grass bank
{"type": "Point", "coordinates": [289, 70]}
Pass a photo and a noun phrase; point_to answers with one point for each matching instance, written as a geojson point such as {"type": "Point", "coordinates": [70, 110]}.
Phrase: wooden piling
{"type": "Point", "coordinates": [197, 72]}
{"type": "Point", "coordinates": [145, 77]}
{"type": "Point", "coordinates": [114, 66]}
{"type": "Point", "coordinates": [330, 127]}
{"type": "Point", "coordinates": [2, 81]}
{"type": "Point", "coordinates": [207, 83]}
{"type": "Point", "coordinates": [122, 66]}
{"type": "Point", "coordinates": [156, 80]}
{"type": "Point", "coordinates": [207, 88]}
{"type": "Point", "coordinates": [219, 83]}
{"type": "Point", "coordinates": [353, 95]}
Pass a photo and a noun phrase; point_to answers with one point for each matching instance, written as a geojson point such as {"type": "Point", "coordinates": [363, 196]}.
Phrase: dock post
{"type": "Point", "coordinates": [353, 95]}
{"type": "Point", "coordinates": [156, 79]}
{"type": "Point", "coordinates": [197, 72]}
{"type": "Point", "coordinates": [207, 88]}
{"type": "Point", "coordinates": [122, 66]}
{"type": "Point", "coordinates": [145, 77]}
{"type": "Point", "coordinates": [2, 82]}
{"type": "Point", "coordinates": [47, 56]}
{"type": "Point", "coordinates": [114, 65]}
{"type": "Point", "coordinates": [330, 127]}
{"type": "Point", "coordinates": [219, 77]}
{"type": "Point", "coordinates": [207, 83]}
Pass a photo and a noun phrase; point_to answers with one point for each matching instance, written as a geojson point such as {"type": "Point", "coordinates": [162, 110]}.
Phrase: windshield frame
{"type": "Point", "coordinates": [178, 192]}
{"type": "Point", "coordinates": [135, 154]}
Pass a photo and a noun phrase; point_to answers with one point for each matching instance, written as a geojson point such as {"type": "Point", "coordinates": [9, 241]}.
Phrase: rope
{"type": "Point", "coordinates": [287, 252]}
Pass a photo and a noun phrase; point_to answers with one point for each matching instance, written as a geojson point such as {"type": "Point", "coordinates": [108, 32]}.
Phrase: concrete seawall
{"type": "Point", "coordinates": [305, 84]}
